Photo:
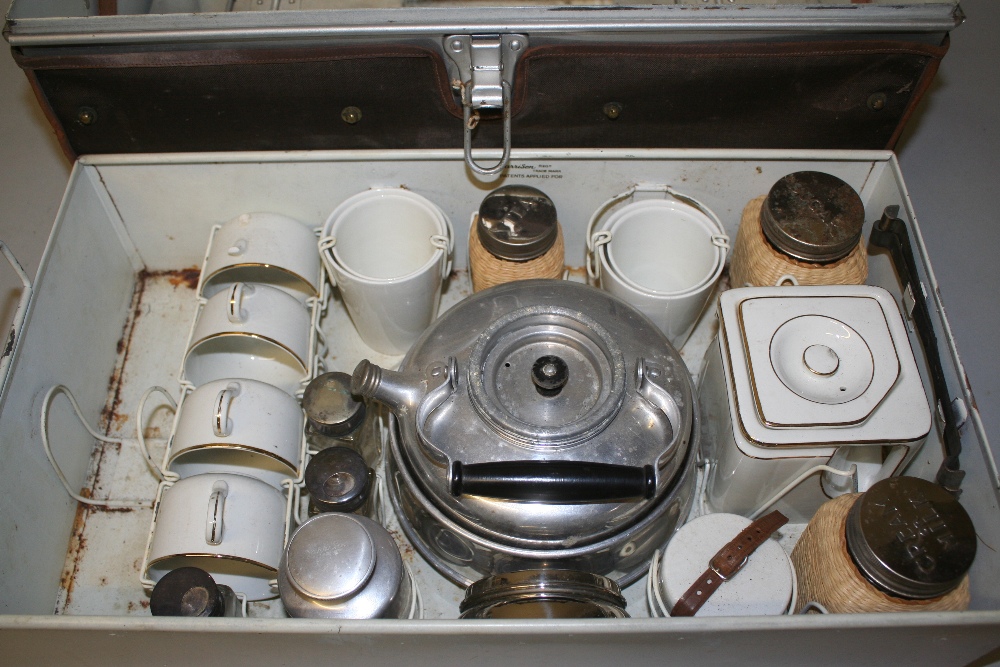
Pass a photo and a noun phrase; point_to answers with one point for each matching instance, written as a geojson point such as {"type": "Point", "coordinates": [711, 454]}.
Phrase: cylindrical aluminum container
{"type": "Point", "coordinates": [544, 594]}
{"type": "Point", "coordinates": [344, 566]}
{"type": "Point", "coordinates": [335, 417]}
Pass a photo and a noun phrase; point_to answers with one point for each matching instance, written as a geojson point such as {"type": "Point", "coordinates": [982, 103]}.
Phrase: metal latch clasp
{"type": "Point", "coordinates": [486, 74]}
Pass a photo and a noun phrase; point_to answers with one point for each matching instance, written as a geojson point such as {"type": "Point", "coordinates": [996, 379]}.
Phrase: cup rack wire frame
{"type": "Point", "coordinates": [316, 305]}
{"type": "Point", "coordinates": [291, 487]}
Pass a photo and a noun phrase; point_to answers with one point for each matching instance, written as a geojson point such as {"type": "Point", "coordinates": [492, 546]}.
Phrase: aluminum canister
{"type": "Point", "coordinates": [335, 417]}
{"type": "Point", "coordinates": [544, 594]}
{"type": "Point", "coordinates": [339, 480]}
{"type": "Point", "coordinates": [344, 566]}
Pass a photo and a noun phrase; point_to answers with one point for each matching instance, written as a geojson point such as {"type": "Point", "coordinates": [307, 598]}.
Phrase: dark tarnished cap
{"type": "Point", "coordinates": [517, 222]}
{"type": "Point", "coordinates": [911, 538]}
{"type": "Point", "coordinates": [813, 216]}
{"type": "Point", "coordinates": [187, 591]}
{"type": "Point", "coordinates": [338, 480]}
{"type": "Point", "coordinates": [330, 407]}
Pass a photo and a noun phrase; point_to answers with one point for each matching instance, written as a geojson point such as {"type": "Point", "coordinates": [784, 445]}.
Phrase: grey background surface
{"type": "Point", "coordinates": [949, 155]}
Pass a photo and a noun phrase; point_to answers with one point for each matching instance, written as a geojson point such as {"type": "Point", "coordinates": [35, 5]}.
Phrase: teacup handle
{"type": "Point", "coordinates": [216, 509]}
{"type": "Point", "coordinates": [223, 425]}
{"type": "Point", "coordinates": [237, 314]}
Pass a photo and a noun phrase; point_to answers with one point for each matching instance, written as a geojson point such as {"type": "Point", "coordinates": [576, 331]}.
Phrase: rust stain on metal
{"type": "Point", "coordinates": [406, 551]}
{"type": "Point", "coordinates": [576, 272]}
{"type": "Point", "coordinates": [77, 546]}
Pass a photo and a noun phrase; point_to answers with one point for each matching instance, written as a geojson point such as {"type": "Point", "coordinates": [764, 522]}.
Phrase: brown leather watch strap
{"type": "Point", "coordinates": [727, 562]}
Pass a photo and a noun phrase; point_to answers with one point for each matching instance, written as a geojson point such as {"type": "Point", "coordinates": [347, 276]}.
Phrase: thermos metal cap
{"type": "Point", "coordinates": [911, 538]}
{"type": "Point", "coordinates": [187, 591]}
{"type": "Point", "coordinates": [517, 223]}
{"type": "Point", "coordinates": [330, 407]}
{"type": "Point", "coordinates": [338, 480]}
{"type": "Point", "coordinates": [330, 559]}
{"type": "Point", "coordinates": [813, 216]}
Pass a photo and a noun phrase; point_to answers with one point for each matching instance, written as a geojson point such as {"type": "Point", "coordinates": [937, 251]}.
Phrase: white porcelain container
{"type": "Point", "coordinates": [231, 526]}
{"type": "Point", "coordinates": [240, 426]}
{"type": "Point", "coordinates": [388, 250]}
{"type": "Point", "coordinates": [252, 331]}
{"type": "Point", "coordinates": [662, 256]}
{"type": "Point", "coordinates": [807, 376]}
{"type": "Point", "coordinates": [267, 248]}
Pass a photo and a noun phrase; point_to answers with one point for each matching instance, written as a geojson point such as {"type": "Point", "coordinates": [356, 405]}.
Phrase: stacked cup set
{"type": "Point", "coordinates": [233, 467]}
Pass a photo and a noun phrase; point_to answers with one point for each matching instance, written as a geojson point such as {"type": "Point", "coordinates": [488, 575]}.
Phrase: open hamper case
{"type": "Point", "coordinates": [187, 117]}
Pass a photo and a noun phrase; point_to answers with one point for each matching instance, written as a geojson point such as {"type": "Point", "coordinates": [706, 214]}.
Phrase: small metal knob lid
{"type": "Point", "coordinates": [187, 591]}
{"type": "Point", "coordinates": [330, 407]}
{"type": "Point", "coordinates": [338, 480]}
{"type": "Point", "coordinates": [517, 223]}
{"type": "Point", "coordinates": [549, 374]}
{"type": "Point", "coordinates": [813, 216]}
{"type": "Point", "coordinates": [911, 538]}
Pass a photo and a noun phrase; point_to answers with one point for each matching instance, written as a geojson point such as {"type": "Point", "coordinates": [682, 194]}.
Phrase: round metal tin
{"type": "Point", "coordinates": [911, 538]}
{"type": "Point", "coordinates": [517, 223]}
{"type": "Point", "coordinates": [813, 216]}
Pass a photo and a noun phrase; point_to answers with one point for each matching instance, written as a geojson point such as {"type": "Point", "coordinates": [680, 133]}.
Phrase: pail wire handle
{"type": "Point", "coordinates": [325, 245]}
{"type": "Point", "coordinates": [445, 242]}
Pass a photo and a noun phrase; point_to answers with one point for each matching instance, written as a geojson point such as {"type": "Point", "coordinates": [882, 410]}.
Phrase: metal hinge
{"type": "Point", "coordinates": [486, 75]}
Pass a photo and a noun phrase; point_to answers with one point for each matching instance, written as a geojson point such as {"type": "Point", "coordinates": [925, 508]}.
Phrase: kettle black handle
{"type": "Point", "coordinates": [553, 481]}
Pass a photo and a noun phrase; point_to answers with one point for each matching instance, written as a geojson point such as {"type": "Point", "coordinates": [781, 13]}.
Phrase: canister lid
{"type": "Point", "coordinates": [544, 593]}
{"type": "Point", "coordinates": [911, 538]}
{"type": "Point", "coordinates": [813, 216]}
{"type": "Point", "coordinates": [763, 587]}
{"type": "Point", "coordinates": [330, 407]}
{"type": "Point", "coordinates": [330, 557]}
{"type": "Point", "coordinates": [338, 480]}
{"type": "Point", "coordinates": [187, 591]}
{"type": "Point", "coordinates": [517, 223]}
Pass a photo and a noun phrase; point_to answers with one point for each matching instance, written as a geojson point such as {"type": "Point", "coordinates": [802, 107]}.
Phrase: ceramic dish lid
{"type": "Point", "coordinates": [817, 361]}
{"type": "Point", "coordinates": [819, 366]}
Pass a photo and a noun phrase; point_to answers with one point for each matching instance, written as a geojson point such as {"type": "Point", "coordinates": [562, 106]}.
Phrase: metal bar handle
{"type": "Point", "coordinates": [553, 481]}
{"type": "Point", "coordinates": [470, 122]}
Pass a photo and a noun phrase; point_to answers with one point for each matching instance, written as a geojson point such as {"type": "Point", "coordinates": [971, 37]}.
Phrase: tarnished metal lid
{"type": "Point", "coordinates": [187, 591]}
{"type": "Point", "coordinates": [911, 538]}
{"type": "Point", "coordinates": [330, 557]}
{"type": "Point", "coordinates": [338, 480]}
{"type": "Point", "coordinates": [330, 407]}
{"type": "Point", "coordinates": [544, 594]}
{"type": "Point", "coordinates": [517, 222]}
{"type": "Point", "coordinates": [813, 216]}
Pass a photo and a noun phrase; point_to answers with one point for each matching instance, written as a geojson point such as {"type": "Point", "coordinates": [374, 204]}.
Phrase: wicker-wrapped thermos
{"type": "Point", "coordinates": [515, 236]}
{"type": "Point", "coordinates": [806, 231]}
{"type": "Point", "coordinates": [906, 544]}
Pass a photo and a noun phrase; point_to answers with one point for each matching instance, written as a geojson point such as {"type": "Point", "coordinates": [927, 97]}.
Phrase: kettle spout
{"type": "Point", "coordinates": [400, 392]}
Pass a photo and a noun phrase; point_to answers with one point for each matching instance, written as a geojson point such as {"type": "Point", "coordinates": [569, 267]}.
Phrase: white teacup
{"type": "Point", "coordinates": [239, 426]}
{"type": "Point", "coordinates": [388, 250]}
{"type": "Point", "coordinates": [267, 248]}
{"type": "Point", "coordinates": [231, 526]}
{"type": "Point", "coordinates": [251, 331]}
